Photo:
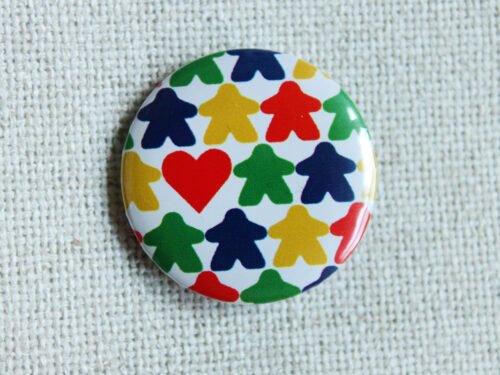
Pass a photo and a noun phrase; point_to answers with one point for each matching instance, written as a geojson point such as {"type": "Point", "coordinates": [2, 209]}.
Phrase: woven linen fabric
{"type": "Point", "coordinates": [420, 295]}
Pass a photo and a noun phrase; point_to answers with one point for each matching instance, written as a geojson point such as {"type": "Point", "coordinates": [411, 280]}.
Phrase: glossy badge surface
{"type": "Point", "coordinates": [248, 175]}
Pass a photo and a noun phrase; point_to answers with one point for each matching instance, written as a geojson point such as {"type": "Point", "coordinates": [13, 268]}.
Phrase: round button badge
{"type": "Point", "coordinates": [248, 175]}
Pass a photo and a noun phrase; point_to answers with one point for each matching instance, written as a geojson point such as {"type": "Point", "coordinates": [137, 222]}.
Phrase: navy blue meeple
{"type": "Point", "coordinates": [236, 236]}
{"type": "Point", "coordinates": [167, 116]}
{"type": "Point", "coordinates": [326, 169]}
{"type": "Point", "coordinates": [251, 61]}
{"type": "Point", "coordinates": [325, 274]}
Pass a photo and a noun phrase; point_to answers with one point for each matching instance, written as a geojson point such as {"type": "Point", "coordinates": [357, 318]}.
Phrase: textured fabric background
{"type": "Point", "coordinates": [420, 296]}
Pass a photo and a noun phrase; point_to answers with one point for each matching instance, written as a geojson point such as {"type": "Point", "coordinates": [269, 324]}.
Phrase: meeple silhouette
{"type": "Point", "coordinates": [174, 240]}
{"type": "Point", "coordinates": [299, 233]}
{"type": "Point", "coordinates": [229, 111]}
{"type": "Point", "coordinates": [347, 117]}
{"type": "Point", "coordinates": [167, 116]}
{"type": "Point", "coordinates": [251, 61]}
{"type": "Point", "coordinates": [291, 108]}
{"type": "Point", "coordinates": [264, 172]}
{"type": "Point", "coordinates": [204, 68]}
{"type": "Point", "coordinates": [236, 236]}
{"type": "Point", "coordinates": [326, 170]}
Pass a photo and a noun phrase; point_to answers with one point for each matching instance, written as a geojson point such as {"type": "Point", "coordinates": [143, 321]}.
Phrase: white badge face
{"type": "Point", "coordinates": [248, 175]}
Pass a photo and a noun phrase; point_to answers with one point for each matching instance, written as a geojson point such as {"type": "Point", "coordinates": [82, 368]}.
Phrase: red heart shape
{"type": "Point", "coordinates": [197, 180]}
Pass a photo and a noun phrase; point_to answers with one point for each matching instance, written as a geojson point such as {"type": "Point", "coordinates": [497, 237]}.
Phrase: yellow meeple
{"type": "Point", "coordinates": [299, 233]}
{"type": "Point", "coordinates": [229, 111]}
{"type": "Point", "coordinates": [136, 177]}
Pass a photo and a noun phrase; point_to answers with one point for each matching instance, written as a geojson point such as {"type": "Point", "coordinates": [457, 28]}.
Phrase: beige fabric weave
{"type": "Point", "coordinates": [421, 294]}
